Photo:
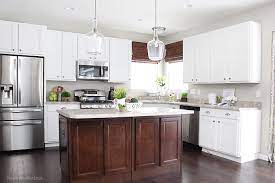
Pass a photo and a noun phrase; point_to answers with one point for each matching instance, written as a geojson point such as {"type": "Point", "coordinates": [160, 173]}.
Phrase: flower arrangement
{"type": "Point", "coordinates": [231, 100]}
{"type": "Point", "coordinates": [161, 81]}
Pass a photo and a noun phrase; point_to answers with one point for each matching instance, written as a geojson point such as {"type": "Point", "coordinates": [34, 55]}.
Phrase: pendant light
{"type": "Point", "coordinates": [96, 39]}
{"type": "Point", "coordinates": [155, 47]}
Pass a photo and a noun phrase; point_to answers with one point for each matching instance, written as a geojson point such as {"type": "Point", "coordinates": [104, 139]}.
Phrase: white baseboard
{"type": "Point", "coordinates": [263, 157]}
{"type": "Point", "coordinates": [51, 145]}
{"type": "Point", "coordinates": [243, 159]}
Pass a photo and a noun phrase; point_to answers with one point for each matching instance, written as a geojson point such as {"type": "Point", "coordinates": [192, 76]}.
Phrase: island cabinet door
{"type": "Point", "coordinates": [170, 138]}
{"type": "Point", "coordinates": [146, 142]}
{"type": "Point", "coordinates": [117, 145]}
{"type": "Point", "coordinates": [87, 149]}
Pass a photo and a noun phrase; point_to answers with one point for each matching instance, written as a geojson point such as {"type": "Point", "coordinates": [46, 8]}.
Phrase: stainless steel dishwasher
{"type": "Point", "coordinates": [190, 125]}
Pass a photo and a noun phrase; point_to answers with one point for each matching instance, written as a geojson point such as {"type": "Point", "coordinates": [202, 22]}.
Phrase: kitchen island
{"type": "Point", "coordinates": [104, 145]}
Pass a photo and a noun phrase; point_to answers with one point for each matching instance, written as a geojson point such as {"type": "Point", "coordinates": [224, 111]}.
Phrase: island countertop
{"type": "Point", "coordinates": [113, 113]}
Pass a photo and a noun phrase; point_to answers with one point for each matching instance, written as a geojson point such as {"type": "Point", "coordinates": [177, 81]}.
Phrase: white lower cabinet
{"type": "Point", "coordinates": [234, 135]}
{"type": "Point", "coordinates": [51, 120]}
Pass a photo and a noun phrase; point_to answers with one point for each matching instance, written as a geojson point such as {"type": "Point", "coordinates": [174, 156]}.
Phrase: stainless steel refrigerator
{"type": "Point", "coordinates": [21, 102]}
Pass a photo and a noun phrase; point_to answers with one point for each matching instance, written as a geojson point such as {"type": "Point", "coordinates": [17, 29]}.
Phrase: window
{"type": "Point", "coordinates": [143, 76]}
{"type": "Point", "coordinates": [174, 76]}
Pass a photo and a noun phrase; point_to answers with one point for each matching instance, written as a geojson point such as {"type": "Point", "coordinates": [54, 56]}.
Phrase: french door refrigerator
{"type": "Point", "coordinates": [21, 102]}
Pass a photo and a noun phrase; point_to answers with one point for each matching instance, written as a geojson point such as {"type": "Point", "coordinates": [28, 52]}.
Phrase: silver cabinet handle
{"type": "Point", "coordinates": [207, 112]}
{"type": "Point", "coordinates": [227, 114]}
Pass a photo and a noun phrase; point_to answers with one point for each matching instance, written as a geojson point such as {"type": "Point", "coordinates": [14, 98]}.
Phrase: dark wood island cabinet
{"type": "Point", "coordinates": [119, 150]}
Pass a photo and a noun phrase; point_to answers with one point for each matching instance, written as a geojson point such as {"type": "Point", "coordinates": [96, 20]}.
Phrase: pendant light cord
{"type": "Point", "coordinates": [95, 16]}
{"type": "Point", "coordinates": [155, 28]}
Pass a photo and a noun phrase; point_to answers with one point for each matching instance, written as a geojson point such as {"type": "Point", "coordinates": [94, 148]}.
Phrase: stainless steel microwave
{"type": "Point", "coordinates": [92, 70]}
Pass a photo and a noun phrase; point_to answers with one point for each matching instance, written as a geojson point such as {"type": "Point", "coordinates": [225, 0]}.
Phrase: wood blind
{"type": "Point", "coordinates": [174, 52]}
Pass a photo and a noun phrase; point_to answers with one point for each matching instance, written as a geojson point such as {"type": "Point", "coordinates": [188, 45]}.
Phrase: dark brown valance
{"type": "Point", "coordinates": [140, 53]}
{"type": "Point", "coordinates": [174, 52]}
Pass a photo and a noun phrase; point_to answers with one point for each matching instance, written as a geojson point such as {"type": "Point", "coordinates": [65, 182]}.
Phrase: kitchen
{"type": "Point", "coordinates": [226, 84]}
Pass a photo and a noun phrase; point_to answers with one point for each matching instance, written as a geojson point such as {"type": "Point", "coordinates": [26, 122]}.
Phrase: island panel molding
{"type": "Point", "coordinates": [170, 138]}
{"type": "Point", "coordinates": [117, 145]}
{"type": "Point", "coordinates": [147, 143]}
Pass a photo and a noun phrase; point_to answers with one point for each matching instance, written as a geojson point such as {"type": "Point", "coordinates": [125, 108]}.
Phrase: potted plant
{"type": "Point", "coordinates": [184, 97]}
{"type": "Point", "coordinates": [66, 96]}
{"type": "Point", "coordinates": [161, 83]}
{"type": "Point", "coordinates": [120, 96]}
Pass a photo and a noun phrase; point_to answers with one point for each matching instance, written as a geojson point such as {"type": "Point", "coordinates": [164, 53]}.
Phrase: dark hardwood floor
{"type": "Point", "coordinates": [43, 166]}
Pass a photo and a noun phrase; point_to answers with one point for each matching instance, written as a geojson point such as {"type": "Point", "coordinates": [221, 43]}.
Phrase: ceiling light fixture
{"type": "Point", "coordinates": [155, 47]}
{"type": "Point", "coordinates": [95, 38]}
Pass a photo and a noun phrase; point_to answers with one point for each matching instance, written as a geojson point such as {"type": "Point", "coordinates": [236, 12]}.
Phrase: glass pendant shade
{"type": "Point", "coordinates": [155, 47]}
{"type": "Point", "coordinates": [95, 39]}
{"type": "Point", "coordinates": [156, 50]}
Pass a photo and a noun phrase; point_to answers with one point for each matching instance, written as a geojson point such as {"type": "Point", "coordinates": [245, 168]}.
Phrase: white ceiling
{"type": "Point", "coordinates": [124, 14]}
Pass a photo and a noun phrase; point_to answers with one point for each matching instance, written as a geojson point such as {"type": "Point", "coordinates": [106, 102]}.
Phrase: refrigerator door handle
{"type": "Point", "coordinates": [20, 123]}
{"type": "Point", "coordinates": [19, 81]}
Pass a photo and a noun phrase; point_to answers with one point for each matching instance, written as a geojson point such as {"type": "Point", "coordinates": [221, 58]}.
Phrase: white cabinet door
{"type": "Point", "coordinates": [208, 133]}
{"type": "Point", "coordinates": [238, 53]}
{"type": "Point", "coordinates": [31, 39]}
{"type": "Point", "coordinates": [219, 58]}
{"type": "Point", "coordinates": [8, 37]}
{"type": "Point", "coordinates": [82, 47]}
{"type": "Point", "coordinates": [120, 59]}
{"type": "Point", "coordinates": [53, 55]}
{"type": "Point", "coordinates": [69, 56]}
{"type": "Point", "coordinates": [202, 58]}
{"type": "Point", "coordinates": [189, 60]}
{"type": "Point", "coordinates": [228, 136]}
{"type": "Point", "coordinates": [52, 127]}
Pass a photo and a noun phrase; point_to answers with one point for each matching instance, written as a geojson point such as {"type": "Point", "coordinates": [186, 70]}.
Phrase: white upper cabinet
{"type": "Point", "coordinates": [69, 56]}
{"type": "Point", "coordinates": [196, 63]}
{"type": "Point", "coordinates": [8, 37]}
{"type": "Point", "coordinates": [31, 39]}
{"type": "Point", "coordinates": [189, 60]}
{"type": "Point", "coordinates": [120, 59]}
{"type": "Point", "coordinates": [228, 55]}
{"type": "Point", "coordinates": [84, 46]}
{"type": "Point", "coordinates": [21, 38]}
{"type": "Point", "coordinates": [61, 56]}
{"type": "Point", "coordinates": [53, 55]}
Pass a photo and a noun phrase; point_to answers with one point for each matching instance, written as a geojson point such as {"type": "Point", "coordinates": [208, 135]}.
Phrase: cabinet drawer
{"type": "Point", "coordinates": [228, 114]}
{"type": "Point", "coordinates": [54, 107]}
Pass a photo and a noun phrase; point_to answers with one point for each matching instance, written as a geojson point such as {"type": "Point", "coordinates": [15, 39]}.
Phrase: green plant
{"type": "Point", "coordinates": [120, 93]}
{"type": "Point", "coordinates": [121, 107]}
{"type": "Point", "coordinates": [161, 81]}
{"type": "Point", "coordinates": [184, 95]}
{"type": "Point", "coordinates": [65, 94]}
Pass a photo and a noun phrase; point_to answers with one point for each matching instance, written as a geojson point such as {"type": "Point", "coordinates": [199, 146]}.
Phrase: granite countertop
{"type": "Point", "coordinates": [237, 107]}
{"type": "Point", "coordinates": [113, 113]}
{"type": "Point", "coordinates": [62, 102]}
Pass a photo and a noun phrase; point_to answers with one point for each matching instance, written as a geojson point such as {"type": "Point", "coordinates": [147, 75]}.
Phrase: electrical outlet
{"type": "Point", "coordinates": [198, 92]}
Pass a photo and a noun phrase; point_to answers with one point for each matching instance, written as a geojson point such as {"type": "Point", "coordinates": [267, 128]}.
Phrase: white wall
{"type": "Point", "coordinates": [245, 92]}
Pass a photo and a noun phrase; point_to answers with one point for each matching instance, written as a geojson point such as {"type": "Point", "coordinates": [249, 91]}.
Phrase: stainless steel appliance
{"type": "Point", "coordinates": [21, 103]}
{"type": "Point", "coordinates": [190, 125]}
{"type": "Point", "coordinates": [92, 70]}
{"type": "Point", "coordinates": [93, 99]}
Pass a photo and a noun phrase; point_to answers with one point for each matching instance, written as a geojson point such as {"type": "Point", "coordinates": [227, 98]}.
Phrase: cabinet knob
{"type": "Point", "coordinates": [224, 78]}
{"type": "Point", "coordinates": [196, 79]}
{"type": "Point", "coordinates": [227, 114]}
{"type": "Point", "coordinates": [20, 50]}
{"type": "Point", "coordinates": [192, 79]}
{"type": "Point", "coordinates": [63, 77]}
{"type": "Point", "coordinates": [229, 78]}
{"type": "Point", "coordinates": [214, 121]}
{"type": "Point", "coordinates": [207, 112]}
{"type": "Point", "coordinates": [13, 49]}
{"type": "Point", "coordinates": [219, 122]}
